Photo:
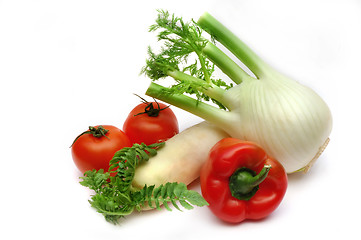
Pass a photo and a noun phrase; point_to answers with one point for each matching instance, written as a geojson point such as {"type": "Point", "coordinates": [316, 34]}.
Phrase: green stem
{"type": "Point", "coordinates": [225, 63]}
{"type": "Point", "coordinates": [233, 44]}
{"type": "Point", "coordinates": [105, 212]}
{"type": "Point", "coordinates": [96, 132]}
{"type": "Point", "coordinates": [149, 108]}
{"type": "Point", "coordinates": [244, 182]}
{"type": "Point", "coordinates": [200, 109]}
{"type": "Point", "coordinates": [203, 65]}
{"type": "Point", "coordinates": [196, 48]}
{"type": "Point", "coordinates": [209, 89]}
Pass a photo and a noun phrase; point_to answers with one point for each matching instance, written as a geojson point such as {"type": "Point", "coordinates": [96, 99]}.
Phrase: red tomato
{"type": "Point", "coordinates": [150, 122]}
{"type": "Point", "coordinates": [94, 148]}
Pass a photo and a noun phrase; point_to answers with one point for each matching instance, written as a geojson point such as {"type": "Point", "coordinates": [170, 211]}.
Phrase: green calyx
{"type": "Point", "coordinates": [149, 109]}
{"type": "Point", "coordinates": [97, 132]}
{"type": "Point", "coordinates": [244, 182]}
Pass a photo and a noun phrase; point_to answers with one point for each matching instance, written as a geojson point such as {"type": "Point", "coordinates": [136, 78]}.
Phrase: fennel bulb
{"type": "Point", "coordinates": [289, 120]}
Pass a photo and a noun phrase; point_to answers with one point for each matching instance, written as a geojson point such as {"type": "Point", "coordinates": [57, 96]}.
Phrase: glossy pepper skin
{"type": "Point", "coordinates": [258, 182]}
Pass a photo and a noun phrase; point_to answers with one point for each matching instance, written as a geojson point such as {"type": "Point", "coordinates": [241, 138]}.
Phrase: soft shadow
{"type": "Point", "coordinates": [298, 176]}
{"type": "Point", "coordinates": [194, 185]}
{"type": "Point", "coordinates": [244, 223]}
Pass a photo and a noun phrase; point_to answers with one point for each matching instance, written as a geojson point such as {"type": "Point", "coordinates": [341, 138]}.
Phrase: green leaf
{"type": "Point", "coordinates": [141, 154]}
{"type": "Point", "coordinates": [179, 189]}
{"type": "Point", "coordinates": [170, 190]}
{"type": "Point", "coordinates": [166, 206]}
{"type": "Point", "coordinates": [127, 159]}
{"type": "Point", "coordinates": [113, 218]}
{"type": "Point", "coordinates": [114, 198]}
{"type": "Point", "coordinates": [195, 198]}
{"type": "Point", "coordinates": [174, 203]}
{"type": "Point", "coordinates": [156, 195]}
{"type": "Point", "coordinates": [94, 179]}
{"type": "Point", "coordinates": [185, 204]}
{"type": "Point", "coordinates": [181, 41]}
{"type": "Point", "coordinates": [149, 194]}
{"type": "Point", "coordinates": [173, 193]}
{"type": "Point", "coordinates": [152, 152]}
{"type": "Point", "coordinates": [163, 190]}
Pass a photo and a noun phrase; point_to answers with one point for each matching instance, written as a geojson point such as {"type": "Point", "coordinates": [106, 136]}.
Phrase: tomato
{"type": "Point", "coordinates": [94, 148]}
{"type": "Point", "coordinates": [150, 122]}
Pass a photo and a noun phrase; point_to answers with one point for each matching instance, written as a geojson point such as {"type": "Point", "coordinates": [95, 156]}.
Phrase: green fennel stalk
{"type": "Point", "coordinates": [228, 39]}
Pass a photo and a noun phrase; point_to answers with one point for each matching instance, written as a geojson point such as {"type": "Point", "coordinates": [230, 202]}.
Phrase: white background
{"type": "Point", "coordinates": [65, 65]}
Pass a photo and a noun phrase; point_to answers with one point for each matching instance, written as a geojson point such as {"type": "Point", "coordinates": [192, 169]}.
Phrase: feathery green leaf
{"type": "Point", "coordinates": [114, 197]}
{"type": "Point", "coordinates": [183, 41]}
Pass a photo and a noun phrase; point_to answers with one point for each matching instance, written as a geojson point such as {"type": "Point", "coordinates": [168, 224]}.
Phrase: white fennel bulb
{"type": "Point", "coordinates": [289, 120]}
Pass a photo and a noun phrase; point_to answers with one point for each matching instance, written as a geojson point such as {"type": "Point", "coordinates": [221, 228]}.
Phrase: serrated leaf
{"type": "Point", "coordinates": [166, 206]}
{"type": "Point", "coordinates": [156, 195]}
{"type": "Point", "coordinates": [112, 167]}
{"type": "Point", "coordinates": [157, 192]}
{"type": "Point", "coordinates": [174, 203]}
{"type": "Point", "coordinates": [94, 179]}
{"type": "Point", "coordinates": [163, 191]}
{"type": "Point", "coordinates": [182, 40]}
{"type": "Point", "coordinates": [123, 198]}
{"type": "Point", "coordinates": [137, 197]}
{"type": "Point", "coordinates": [195, 198]}
{"type": "Point", "coordinates": [179, 189]}
{"type": "Point", "coordinates": [114, 219]}
{"type": "Point", "coordinates": [152, 152]}
{"type": "Point", "coordinates": [185, 204]}
{"type": "Point", "coordinates": [170, 190]}
{"type": "Point", "coordinates": [157, 204]}
{"type": "Point", "coordinates": [143, 156]}
{"type": "Point", "coordinates": [149, 195]}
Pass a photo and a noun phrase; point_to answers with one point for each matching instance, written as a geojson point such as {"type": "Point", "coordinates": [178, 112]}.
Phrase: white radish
{"type": "Point", "coordinates": [182, 157]}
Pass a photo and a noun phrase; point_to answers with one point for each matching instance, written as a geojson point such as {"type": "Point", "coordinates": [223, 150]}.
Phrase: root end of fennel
{"type": "Point", "coordinates": [314, 159]}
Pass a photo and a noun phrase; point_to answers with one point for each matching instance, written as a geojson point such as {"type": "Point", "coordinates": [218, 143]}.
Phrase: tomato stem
{"type": "Point", "coordinates": [149, 109]}
{"type": "Point", "coordinates": [244, 182]}
{"type": "Point", "coordinates": [96, 132]}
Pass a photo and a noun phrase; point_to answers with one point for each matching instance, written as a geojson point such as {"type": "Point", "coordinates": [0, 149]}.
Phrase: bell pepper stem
{"type": "Point", "coordinates": [261, 176]}
{"type": "Point", "coordinates": [244, 182]}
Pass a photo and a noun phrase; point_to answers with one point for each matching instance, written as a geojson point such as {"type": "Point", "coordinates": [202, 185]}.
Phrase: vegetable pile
{"type": "Point", "coordinates": [258, 128]}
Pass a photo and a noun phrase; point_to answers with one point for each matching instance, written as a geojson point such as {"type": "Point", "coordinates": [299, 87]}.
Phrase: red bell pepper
{"type": "Point", "coordinates": [240, 181]}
